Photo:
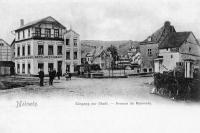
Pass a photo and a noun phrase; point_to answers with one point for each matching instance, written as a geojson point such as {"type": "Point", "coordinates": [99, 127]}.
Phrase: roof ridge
{"type": "Point", "coordinates": [37, 21]}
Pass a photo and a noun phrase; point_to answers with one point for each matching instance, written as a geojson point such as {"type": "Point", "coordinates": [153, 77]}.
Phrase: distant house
{"type": "Point", "coordinates": [149, 47]}
{"type": "Point", "coordinates": [103, 58]}
{"type": "Point", "coordinates": [6, 64]}
{"type": "Point", "coordinates": [175, 49]}
{"type": "Point", "coordinates": [99, 56]}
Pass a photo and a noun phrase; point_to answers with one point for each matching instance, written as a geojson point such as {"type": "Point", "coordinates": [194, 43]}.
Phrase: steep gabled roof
{"type": "Point", "coordinates": [174, 40]}
{"type": "Point", "coordinates": [72, 31]}
{"type": "Point", "coordinates": [46, 19]}
{"type": "Point", "coordinates": [160, 34]}
{"type": "Point", "coordinates": [1, 40]}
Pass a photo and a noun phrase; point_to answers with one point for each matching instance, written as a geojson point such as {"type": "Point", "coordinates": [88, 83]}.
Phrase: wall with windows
{"type": "Point", "coordinates": [40, 30]}
{"type": "Point", "coordinates": [148, 53]}
{"type": "Point", "coordinates": [23, 34]}
{"type": "Point", "coordinates": [24, 66]}
{"type": "Point", "coordinates": [190, 49]}
{"type": "Point", "coordinates": [170, 59]}
{"type": "Point", "coordinates": [72, 48]}
{"type": "Point", "coordinates": [24, 49]}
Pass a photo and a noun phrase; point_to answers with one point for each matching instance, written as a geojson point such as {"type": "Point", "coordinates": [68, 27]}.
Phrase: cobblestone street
{"type": "Point", "coordinates": [131, 89]}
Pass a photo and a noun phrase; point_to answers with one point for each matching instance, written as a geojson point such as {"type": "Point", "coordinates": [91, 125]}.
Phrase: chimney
{"type": "Point", "coordinates": [167, 23]}
{"type": "Point", "coordinates": [21, 22]}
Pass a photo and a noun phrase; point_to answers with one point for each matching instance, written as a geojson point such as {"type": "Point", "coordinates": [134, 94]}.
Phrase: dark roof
{"type": "Point", "coordinates": [174, 40]}
{"type": "Point", "coordinates": [4, 42]}
{"type": "Point", "coordinates": [160, 34]}
{"type": "Point", "coordinates": [39, 21]}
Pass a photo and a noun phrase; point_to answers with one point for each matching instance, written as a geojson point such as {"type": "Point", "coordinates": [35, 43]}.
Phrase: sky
{"type": "Point", "coordinates": [103, 19]}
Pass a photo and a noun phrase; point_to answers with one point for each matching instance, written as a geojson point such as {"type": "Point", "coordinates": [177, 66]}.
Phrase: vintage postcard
{"type": "Point", "coordinates": [99, 66]}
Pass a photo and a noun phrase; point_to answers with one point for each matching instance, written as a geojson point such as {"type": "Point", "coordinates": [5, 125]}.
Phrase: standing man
{"type": "Point", "coordinates": [59, 73]}
{"type": "Point", "coordinates": [51, 77]}
{"type": "Point", "coordinates": [54, 73]}
{"type": "Point", "coordinates": [41, 76]}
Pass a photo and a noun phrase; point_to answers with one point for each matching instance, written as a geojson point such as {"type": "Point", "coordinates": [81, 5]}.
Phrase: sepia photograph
{"type": "Point", "coordinates": [103, 66]}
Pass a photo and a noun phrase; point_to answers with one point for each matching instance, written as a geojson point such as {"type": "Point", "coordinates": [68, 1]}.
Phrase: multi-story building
{"type": "Point", "coordinates": [6, 64]}
{"type": "Point", "coordinates": [40, 45]}
{"type": "Point", "coordinates": [72, 51]}
{"type": "Point", "coordinates": [149, 47]}
{"type": "Point", "coordinates": [177, 48]}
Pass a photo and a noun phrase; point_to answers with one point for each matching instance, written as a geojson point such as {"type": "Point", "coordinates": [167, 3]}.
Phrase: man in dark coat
{"type": "Point", "coordinates": [59, 73]}
{"type": "Point", "coordinates": [54, 73]}
{"type": "Point", "coordinates": [41, 76]}
{"type": "Point", "coordinates": [51, 77]}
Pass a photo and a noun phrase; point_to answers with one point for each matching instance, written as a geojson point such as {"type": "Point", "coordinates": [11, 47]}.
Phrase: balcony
{"type": "Point", "coordinates": [47, 37]}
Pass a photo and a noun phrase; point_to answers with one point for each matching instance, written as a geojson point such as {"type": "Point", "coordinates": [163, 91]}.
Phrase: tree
{"type": "Point", "coordinates": [113, 51]}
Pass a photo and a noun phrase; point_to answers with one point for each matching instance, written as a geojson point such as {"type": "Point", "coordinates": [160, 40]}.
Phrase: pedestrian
{"type": "Point", "coordinates": [70, 75]}
{"type": "Point", "coordinates": [51, 77]}
{"type": "Point", "coordinates": [41, 76]}
{"type": "Point", "coordinates": [59, 74]}
{"type": "Point", "coordinates": [54, 73]}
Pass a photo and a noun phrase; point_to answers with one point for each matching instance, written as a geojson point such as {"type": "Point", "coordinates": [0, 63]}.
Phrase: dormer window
{"type": "Point", "coordinates": [18, 34]}
{"type": "Point", "coordinates": [37, 32]}
{"type": "Point", "coordinates": [23, 34]}
{"type": "Point", "coordinates": [29, 33]}
{"type": "Point", "coordinates": [56, 33]}
{"type": "Point", "coordinates": [47, 32]}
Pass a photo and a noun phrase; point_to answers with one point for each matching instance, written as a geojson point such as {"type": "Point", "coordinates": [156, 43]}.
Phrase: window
{"type": "Point", "coordinates": [59, 50]}
{"type": "Point", "coordinates": [40, 66]}
{"type": "Point", "coordinates": [56, 33]}
{"type": "Point", "coordinates": [18, 68]}
{"type": "Point", "coordinates": [23, 34]}
{"type": "Point", "coordinates": [145, 70]}
{"type": "Point", "coordinates": [29, 33]}
{"type": "Point", "coordinates": [37, 32]}
{"type": "Point", "coordinates": [67, 41]}
{"type": "Point", "coordinates": [40, 49]}
{"type": "Point", "coordinates": [150, 69]}
{"type": "Point", "coordinates": [50, 50]}
{"type": "Point", "coordinates": [29, 68]}
{"type": "Point", "coordinates": [138, 71]}
{"type": "Point", "coordinates": [23, 68]}
{"type": "Point", "coordinates": [29, 49]}
{"type": "Point", "coordinates": [171, 56]}
{"type": "Point", "coordinates": [189, 49]}
{"type": "Point", "coordinates": [18, 34]}
{"type": "Point", "coordinates": [1, 44]}
{"type": "Point", "coordinates": [179, 63]}
{"type": "Point", "coordinates": [23, 50]}
{"type": "Point", "coordinates": [47, 32]}
{"type": "Point", "coordinates": [75, 55]}
{"type": "Point", "coordinates": [149, 52]}
{"type": "Point", "coordinates": [67, 55]}
{"type": "Point", "coordinates": [18, 51]}
{"type": "Point", "coordinates": [75, 42]}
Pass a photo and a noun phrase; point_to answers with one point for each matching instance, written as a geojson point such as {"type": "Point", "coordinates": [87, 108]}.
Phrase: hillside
{"type": "Point", "coordinates": [122, 46]}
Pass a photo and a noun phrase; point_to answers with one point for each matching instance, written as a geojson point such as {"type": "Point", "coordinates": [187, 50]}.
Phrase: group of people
{"type": "Point", "coordinates": [52, 75]}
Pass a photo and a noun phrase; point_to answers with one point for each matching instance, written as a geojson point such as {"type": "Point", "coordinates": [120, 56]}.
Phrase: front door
{"type": "Point", "coordinates": [59, 66]}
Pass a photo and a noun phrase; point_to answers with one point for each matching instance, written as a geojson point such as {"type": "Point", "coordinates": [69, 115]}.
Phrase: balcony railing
{"type": "Point", "coordinates": [47, 36]}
